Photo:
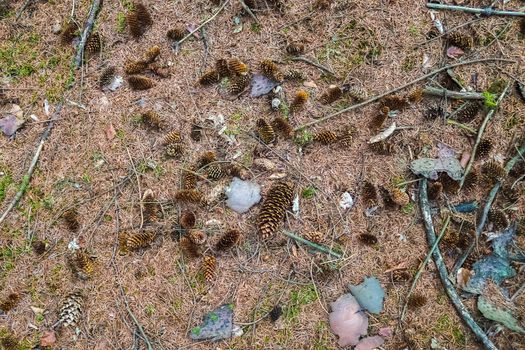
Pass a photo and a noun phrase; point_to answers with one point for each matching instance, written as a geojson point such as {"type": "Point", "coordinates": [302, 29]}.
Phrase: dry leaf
{"type": "Point", "coordinates": [110, 132]}
{"type": "Point", "coordinates": [462, 277]}
{"type": "Point", "coordinates": [454, 52]}
{"type": "Point", "coordinates": [384, 134]}
{"type": "Point", "coordinates": [465, 157]}
{"type": "Point", "coordinates": [48, 339]}
{"type": "Point", "coordinates": [10, 124]}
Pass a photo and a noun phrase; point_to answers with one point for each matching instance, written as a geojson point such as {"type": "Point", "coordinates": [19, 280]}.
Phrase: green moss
{"type": "Point", "coordinates": [308, 192]}
{"type": "Point", "coordinates": [489, 100]}
{"type": "Point", "coordinates": [121, 22]}
{"type": "Point", "coordinates": [298, 299]}
{"type": "Point", "coordinates": [303, 138]}
{"type": "Point", "coordinates": [443, 323]}
{"type": "Point", "coordinates": [408, 209]}
{"type": "Point", "coordinates": [5, 181]}
{"type": "Point", "coordinates": [256, 27]}
{"type": "Point", "coordinates": [149, 310]}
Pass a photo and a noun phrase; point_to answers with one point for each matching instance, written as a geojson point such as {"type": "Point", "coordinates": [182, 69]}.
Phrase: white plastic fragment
{"type": "Point", "coordinates": [116, 83]}
{"type": "Point", "coordinates": [73, 245]}
{"type": "Point", "coordinates": [346, 201]}
{"type": "Point", "coordinates": [295, 205]}
{"type": "Point", "coordinates": [384, 134]}
{"type": "Point", "coordinates": [242, 195]}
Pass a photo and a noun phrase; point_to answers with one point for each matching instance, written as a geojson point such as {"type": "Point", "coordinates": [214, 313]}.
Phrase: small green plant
{"type": "Point", "coordinates": [408, 209]}
{"type": "Point", "coordinates": [298, 299]}
{"type": "Point", "coordinates": [304, 138]}
{"type": "Point", "coordinates": [256, 27]}
{"type": "Point", "coordinates": [489, 100]}
{"type": "Point", "coordinates": [149, 310]}
{"type": "Point", "coordinates": [5, 181]}
{"type": "Point", "coordinates": [413, 30]}
{"type": "Point", "coordinates": [121, 22]}
{"type": "Point", "coordinates": [308, 192]}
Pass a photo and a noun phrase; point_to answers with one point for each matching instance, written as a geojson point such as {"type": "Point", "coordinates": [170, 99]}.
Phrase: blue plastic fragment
{"type": "Point", "coordinates": [494, 267]}
{"type": "Point", "coordinates": [369, 294]}
{"type": "Point", "coordinates": [216, 325]}
{"type": "Point", "coordinates": [466, 207]}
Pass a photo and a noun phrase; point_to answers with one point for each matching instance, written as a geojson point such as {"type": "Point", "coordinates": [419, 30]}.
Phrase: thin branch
{"type": "Point", "coordinates": [404, 86]}
{"type": "Point", "coordinates": [458, 95]}
{"type": "Point", "coordinates": [481, 129]}
{"type": "Point", "coordinates": [93, 12]}
{"type": "Point", "coordinates": [27, 177]}
{"type": "Point", "coordinates": [249, 11]}
{"type": "Point", "coordinates": [315, 64]}
{"type": "Point", "coordinates": [178, 43]}
{"type": "Point", "coordinates": [422, 266]}
{"type": "Point", "coordinates": [487, 11]}
{"type": "Point", "coordinates": [22, 9]}
{"type": "Point", "coordinates": [440, 264]}
{"type": "Point", "coordinates": [486, 210]}
{"type": "Point", "coordinates": [461, 125]}
{"type": "Point", "coordinates": [138, 187]}
{"type": "Point", "coordinates": [312, 244]}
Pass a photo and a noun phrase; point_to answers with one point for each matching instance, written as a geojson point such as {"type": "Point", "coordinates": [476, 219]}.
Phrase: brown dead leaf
{"type": "Point", "coordinates": [48, 339]}
{"type": "Point", "coordinates": [110, 132]}
{"type": "Point", "coordinates": [462, 277]}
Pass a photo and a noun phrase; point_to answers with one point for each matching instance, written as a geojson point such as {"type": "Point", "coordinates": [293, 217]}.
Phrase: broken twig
{"type": "Point", "coordinates": [315, 64]}
{"type": "Point", "coordinates": [177, 43]}
{"type": "Point", "coordinates": [480, 133]}
{"type": "Point", "coordinates": [93, 12]}
{"type": "Point", "coordinates": [423, 264]}
{"type": "Point", "coordinates": [312, 244]}
{"type": "Point", "coordinates": [487, 11]}
{"type": "Point", "coordinates": [440, 264]}
{"type": "Point", "coordinates": [457, 95]}
{"type": "Point", "coordinates": [404, 86]}
{"type": "Point", "coordinates": [249, 11]}
{"type": "Point", "coordinates": [27, 177]}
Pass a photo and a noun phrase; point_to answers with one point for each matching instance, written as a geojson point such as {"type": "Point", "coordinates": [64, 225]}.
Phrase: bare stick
{"type": "Point", "coordinates": [458, 95]}
{"type": "Point", "coordinates": [27, 177]}
{"type": "Point", "coordinates": [315, 64]}
{"type": "Point", "coordinates": [481, 129]}
{"type": "Point", "coordinates": [404, 86]}
{"type": "Point", "coordinates": [93, 12]}
{"type": "Point", "coordinates": [487, 11]}
{"type": "Point", "coordinates": [177, 43]}
{"type": "Point", "coordinates": [312, 244]}
{"type": "Point", "coordinates": [486, 210]}
{"type": "Point", "coordinates": [422, 266]}
{"type": "Point", "coordinates": [249, 11]}
{"type": "Point", "coordinates": [461, 125]}
{"type": "Point", "coordinates": [438, 260]}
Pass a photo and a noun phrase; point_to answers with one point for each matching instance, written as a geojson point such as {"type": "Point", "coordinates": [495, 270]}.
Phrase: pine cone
{"type": "Point", "coordinates": [271, 71]}
{"type": "Point", "coordinates": [71, 310]}
{"type": "Point", "coordinates": [265, 131]}
{"type": "Point", "coordinates": [228, 240]}
{"type": "Point", "coordinates": [188, 196]}
{"type": "Point", "coordinates": [331, 95]}
{"type": "Point", "coordinates": [82, 265]}
{"type": "Point", "coordinates": [209, 266]}
{"type": "Point", "coordinates": [326, 137]}
{"type": "Point", "coordinates": [274, 207]}
{"type": "Point", "coordinates": [107, 76]}
{"type": "Point", "coordinates": [140, 82]}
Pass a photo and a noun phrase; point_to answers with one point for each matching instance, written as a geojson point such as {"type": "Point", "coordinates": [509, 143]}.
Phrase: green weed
{"type": "Point", "coordinates": [308, 192]}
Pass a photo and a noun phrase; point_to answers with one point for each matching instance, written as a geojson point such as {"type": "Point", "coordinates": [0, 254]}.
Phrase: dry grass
{"type": "Point", "coordinates": [371, 44]}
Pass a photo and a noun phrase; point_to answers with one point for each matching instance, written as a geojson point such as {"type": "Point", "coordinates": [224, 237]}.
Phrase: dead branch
{"type": "Point", "coordinates": [315, 64]}
{"type": "Point", "coordinates": [422, 266]}
{"type": "Point", "coordinates": [486, 12]}
{"type": "Point", "coordinates": [457, 95]}
{"type": "Point", "coordinates": [93, 12]}
{"type": "Point", "coordinates": [312, 244]}
{"type": "Point", "coordinates": [480, 133]}
{"type": "Point", "coordinates": [486, 210]}
{"type": "Point", "coordinates": [178, 43]}
{"type": "Point", "coordinates": [404, 86]}
{"type": "Point", "coordinates": [27, 177]}
{"type": "Point", "coordinates": [249, 11]}
{"type": "Point", "coordinates": [443, 275]}
{"type": "Point", "coordinates": [461, 125]}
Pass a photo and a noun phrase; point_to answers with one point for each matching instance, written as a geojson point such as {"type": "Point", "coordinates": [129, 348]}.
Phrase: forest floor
{"type": "Point", "coordinates": [100, 158]}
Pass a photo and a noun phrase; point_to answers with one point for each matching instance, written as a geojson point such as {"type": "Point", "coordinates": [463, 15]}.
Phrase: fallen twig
{"type": "Point", "coordinates": [486, 209]}
{"type": "Point", "coordinates": [422, 266]}
{"type": "Point", "coordinates": [461, 125]}
{"type": "Point", "coordinates": [27, 177]}
{"type": "Point", "coordinates": [487, 11]}
{"type": "Point", "coordinates": [404, 86]}
{"type": "Point", "coordinates": [249, 11]}
{"type": "Point", "coordinates": [312, 244]}
{"type": "Point", "coordinates": [315, 64]}
{"type": "Point", "coordinates": [480, 133]}
{"type": "Point", "coordinates": [458, 95]}
{"type": "Point", "coordinates": [22, 9]}
{"type": "Point", "coordinates": [440, 264]}
{"type": "Point", "coordinates": [448, 32]}
{"type": "Point", "coordinates": [93, 12]}
{"type": "Point", "coordinates": [138, 187]}
{"type": "Point", "coordinates": [177, 43]}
